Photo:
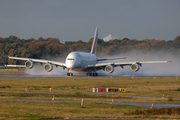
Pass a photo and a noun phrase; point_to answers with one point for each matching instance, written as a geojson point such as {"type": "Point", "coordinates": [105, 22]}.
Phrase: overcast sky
{"type": "Point", "coordinates": [72, 20]}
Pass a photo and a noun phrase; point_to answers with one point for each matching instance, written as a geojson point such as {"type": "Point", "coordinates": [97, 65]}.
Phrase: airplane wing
{"type": "Point", "coordinates": [40, 61]}
{"type": "Point", "coordinates": [135, 66]}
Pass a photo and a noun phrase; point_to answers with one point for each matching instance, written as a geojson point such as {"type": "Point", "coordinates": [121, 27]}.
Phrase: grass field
{"type": "Point", "coordinates": [142, 86]}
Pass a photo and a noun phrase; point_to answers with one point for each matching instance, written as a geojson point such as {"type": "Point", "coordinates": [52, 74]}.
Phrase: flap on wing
{"type": "Point", "coordinates": [155, 61]}
{"type": "Point", "coordinates": [105, 64]}
{"type": "Point", "coordinates": [111, 58]}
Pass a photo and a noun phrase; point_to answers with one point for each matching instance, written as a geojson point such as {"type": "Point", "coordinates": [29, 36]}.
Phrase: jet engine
{"type": "Point", "coordinates": [109, 68]}
{"type": "Point", "coordinates": [48, 67]}
{"type": "Point", "coordinates": [135, 67]}
{"type": "Point", "coordinates": [29, 64]}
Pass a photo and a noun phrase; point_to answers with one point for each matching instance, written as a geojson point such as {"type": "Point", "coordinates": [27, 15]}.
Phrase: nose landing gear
{"type": "Point", "coordinates": [69, 74]}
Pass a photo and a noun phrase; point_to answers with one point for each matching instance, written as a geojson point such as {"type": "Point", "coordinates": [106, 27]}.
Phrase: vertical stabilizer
{"type": "Point", "coordinates": [93, 49]}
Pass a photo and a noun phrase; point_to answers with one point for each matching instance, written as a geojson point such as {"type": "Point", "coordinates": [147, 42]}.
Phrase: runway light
{"type": "Point", "coordinates": [111, 102]}
{"type": "Point", "coordinates": [50, 89]}
{"type": "Point", "coordinates": [163, 96]}
{"type": "Point", "coordinates": [53, 98]}
{"type": "Point", "coordinates": [151, 106]}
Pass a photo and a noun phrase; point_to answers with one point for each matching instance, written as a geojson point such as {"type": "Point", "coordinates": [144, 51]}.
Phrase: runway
{"type": "Point", "coordinates": [29, 76]}
{"type": "Point", "coordinates": [61, 76]}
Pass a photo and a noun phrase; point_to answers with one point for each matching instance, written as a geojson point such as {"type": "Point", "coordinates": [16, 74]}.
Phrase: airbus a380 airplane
{"type": "Point", "coordinates": [80, 61]}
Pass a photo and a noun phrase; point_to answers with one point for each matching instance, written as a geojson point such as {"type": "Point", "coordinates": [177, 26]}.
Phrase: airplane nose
{"type": "Point", "coordinates": [69, 65]}
{"type": "Point", "coordinates": [72, 60]}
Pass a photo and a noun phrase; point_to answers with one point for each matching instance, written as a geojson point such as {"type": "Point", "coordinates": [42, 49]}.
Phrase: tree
{"type": "Point", "coordinates": [144, 47]}
{"type": "Point", "coordinates": [177, 42]}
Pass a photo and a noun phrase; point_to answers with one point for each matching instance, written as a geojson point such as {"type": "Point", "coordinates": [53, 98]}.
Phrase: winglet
{"type": "Point", "coordinates": [93, 49]}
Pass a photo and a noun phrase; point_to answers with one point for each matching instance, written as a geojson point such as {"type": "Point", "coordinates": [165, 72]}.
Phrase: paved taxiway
{"type": "Point", "coordinates": [157, 105]}
{"type": "Point", "coordinates": [115, 95]}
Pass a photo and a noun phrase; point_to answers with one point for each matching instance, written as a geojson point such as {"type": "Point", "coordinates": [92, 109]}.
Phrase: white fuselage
{"type": "Point", "coordinates": [78, 60]}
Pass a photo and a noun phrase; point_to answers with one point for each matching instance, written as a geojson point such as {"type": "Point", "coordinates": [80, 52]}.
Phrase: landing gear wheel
{"type": "Point", "coordinates": [69, 74]}
{"type": "Point", "coordinates": [95, 74]}
{"type": "Point", "coordinates": [88, 74]}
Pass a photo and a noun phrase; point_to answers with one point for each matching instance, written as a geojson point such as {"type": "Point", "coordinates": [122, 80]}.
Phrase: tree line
{"type": "Point", "coordinates": [47, 48]}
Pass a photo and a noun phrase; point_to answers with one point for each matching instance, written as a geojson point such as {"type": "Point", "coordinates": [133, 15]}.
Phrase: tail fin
{"type": "Point", "coordinates": [93, 49]}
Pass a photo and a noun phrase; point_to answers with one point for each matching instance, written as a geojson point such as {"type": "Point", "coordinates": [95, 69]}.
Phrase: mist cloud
{"type": "Point", "coordinates": [150, 69]}
{"type": "Point", "coordinates": [108, 38]}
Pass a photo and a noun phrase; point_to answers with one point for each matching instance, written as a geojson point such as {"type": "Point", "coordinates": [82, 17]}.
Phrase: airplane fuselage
{"type": "Point", "coordinates": [78, 60]}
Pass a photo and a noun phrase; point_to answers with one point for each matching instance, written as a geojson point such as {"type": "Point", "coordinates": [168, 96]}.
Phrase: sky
{"type": "Point", "coordinates": [73, 20]}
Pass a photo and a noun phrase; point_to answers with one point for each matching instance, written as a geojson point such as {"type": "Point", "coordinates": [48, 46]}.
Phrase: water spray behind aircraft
{"type": "Point", "coordinates": [170, 69]}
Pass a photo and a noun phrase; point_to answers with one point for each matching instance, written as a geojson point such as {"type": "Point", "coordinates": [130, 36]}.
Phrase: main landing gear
{"type": "Point", "coordinates": [89, 74]}
{"type": "Point", "coordinates": [82, 73]}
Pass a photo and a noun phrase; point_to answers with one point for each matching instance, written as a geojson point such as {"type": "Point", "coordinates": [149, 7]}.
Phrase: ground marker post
{"type": "Point", "coordinates": [53, 98]}
{"type": "Point", "coordinates": [82, 102]}
{"type": "Point", "coordinates": [50, 89]}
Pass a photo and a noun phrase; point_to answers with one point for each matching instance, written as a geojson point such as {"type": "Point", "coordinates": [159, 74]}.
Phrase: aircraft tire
{"type": "Point", "coordinates": [88, 74]}
{"type": "Point", "coordinates": [69, 74]}
{"type": "Point", "coordinates": [95, 74]}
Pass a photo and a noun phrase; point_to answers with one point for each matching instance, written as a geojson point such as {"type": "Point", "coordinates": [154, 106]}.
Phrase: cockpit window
{"type": "Point", "coordinates": [70, 59]}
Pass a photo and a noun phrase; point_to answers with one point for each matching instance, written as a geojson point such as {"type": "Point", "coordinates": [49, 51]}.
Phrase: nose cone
{"type": "Point", "coordinates": [69, 65]}
{"type": "Point", "coordinates": [72, 60]}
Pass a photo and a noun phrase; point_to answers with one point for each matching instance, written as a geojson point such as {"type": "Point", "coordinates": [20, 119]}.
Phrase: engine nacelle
{"type": "Point", "coordinates": [48, 67]}
{"type": "Point", "coordinates": [29, 64]}
{"type": "Point", "coordinates": [109, 69]}
{"type": "Point", "coordinates": [135, 67]}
